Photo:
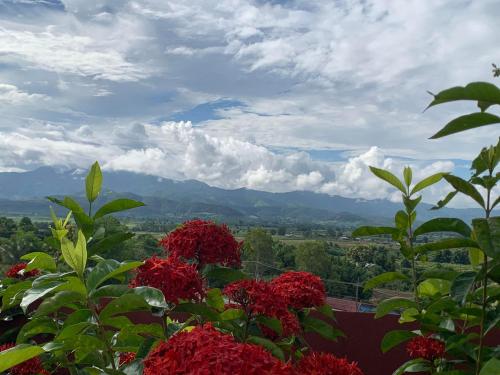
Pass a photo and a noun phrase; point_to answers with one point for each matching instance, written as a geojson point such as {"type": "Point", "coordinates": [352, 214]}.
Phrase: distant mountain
{"type": "Point", "coordinates": [23, 193]}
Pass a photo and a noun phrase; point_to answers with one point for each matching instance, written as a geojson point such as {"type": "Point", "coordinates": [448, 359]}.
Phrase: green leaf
{"type": "Point", "coordinates": [321, 327]}
{"type": "Point", "coordinates": [39, 260]}
{"type": "Point", "coordinates": [272, 323]}
{"type": "Point", "coordinates": [31, 295]}
{"type": "Point", "coordinates": [117, 205]}
{"type": "Point", "coordinates": [231, 314]}
{"type": "Point", "coordinates": [411, 204]}
{"type": "Point", "coordinates": [75, 255]}
{"type": "Point", "coordinates": [18, 354]}
{"type": "Point", "coordinates": [68, 203]}
{"type": "Point", "coordinates": [462, 286]}
{"type": "Point", "coordinates": [109, 269]}
{"type": "Point", "coordinates": [226, 274]}
{"type": "Point", "coordinates": [495, 202]}
{"type": "Point", "coordinates": [61, 299]}
{"type": "Point", "coordinates": [36, 327]}
{"type": "Point", "coordinates": [466, 122]}
{"type": "Point", "coordinates": [125, 303]}
{"type": "Point", "coordinates": [407, 174]}
{"type": "Point", "coordinates": [432, 287]}
{"type": "Point", "coordinates": [448, 243]}
{"type": "Point", "coordinates": [114, 290]}
{"type": "Point", "coordinates": [388, 177]}
{"type": "Point", "coordinates": [444, 225]}
{"type": "Point", "coordinates": [93, 182]}
{"type": "Point", "coordinates": [154, 297]}
{"type": "Point", "coordinates": [392, 304]}
{"type": "Point", "coordinates": [443, 202]}
{"type": "Point", "coordinates": [14, 294]}
{"type": "Point", "coordinates": [214, 299]}
{"type": "Point", "coordinates": [108, 242]}
{"type": "Point", "coordinates": [492, 367]}
{"type": "Point", "coordinates": [426, 182]}
{"type": "Point", "coordinates": [394, 338]}
{"type": "Point", "coordinates": [415, 365]}
{"type": "Point", "coordinates": [326, 310]}
{"type": "Point", "coordinates": [465, 187]}
{"type": "Point", "coordinates": [476, 256]}
{"type": "Point", "coordinates": [384, 278]}
{"type": "Point", "coordinates": [401, 220]}
{"type": "Point", "coordinates": [268, 345]}
{"type": "Point", "coordinates": [476, 91]}
{"type": "Point", "coordinates": [487, 233]}
{"type": "Point", "coordinates": [374, 231]}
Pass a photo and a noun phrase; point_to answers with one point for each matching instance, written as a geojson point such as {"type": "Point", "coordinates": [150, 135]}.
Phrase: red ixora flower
{"type": "Point", "coordinates": [204, 241]}
{"type": "Point", "coordinates": [206, 351]}
{"type": "Point", "coordinates": [15, 271]}
{"type": "Point", "coordinates": [300, 289]}
{"type": "Point", "coordinates": [425, 347]}
{"type": "Point", "coordinates": [326, 364]}
{"type": "Point", "coordinates": [175, 278]}
{"type": "Point", "coordinates": [32, 366]}
{"type": "Point", "coordinates": [258, 297]}
{"type": "Point", "coordinates": [126, 358]}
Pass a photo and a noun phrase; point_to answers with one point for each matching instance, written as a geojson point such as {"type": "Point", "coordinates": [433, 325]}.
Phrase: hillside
{"type": "Point", "coordinates": [24, 193]}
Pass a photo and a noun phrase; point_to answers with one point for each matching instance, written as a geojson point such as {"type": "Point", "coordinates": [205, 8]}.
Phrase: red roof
{"type": "Point", "coordinates": [342, 304]}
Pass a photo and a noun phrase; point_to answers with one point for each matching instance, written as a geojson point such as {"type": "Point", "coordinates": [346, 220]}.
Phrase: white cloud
{"type": "Point", "coordinates": [97, 80]}
{"type": "Point", "coordinates": [63, 52]}
{"type": "Point", "coordinates": [12, 95]}
{"type": "Point", "coordinates": [181, 151]}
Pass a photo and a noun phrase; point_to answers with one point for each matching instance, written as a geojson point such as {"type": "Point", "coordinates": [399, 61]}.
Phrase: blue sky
{"type": "Point", "coordinates": [270, 95]}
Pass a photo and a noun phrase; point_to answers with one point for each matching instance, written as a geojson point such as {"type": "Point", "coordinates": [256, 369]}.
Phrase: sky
{"type": "Point", "coordinates": [268, 95]}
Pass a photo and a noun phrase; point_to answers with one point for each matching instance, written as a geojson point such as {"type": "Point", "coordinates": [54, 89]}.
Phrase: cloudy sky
{"type": "Point", "coordinates": [269, 95]}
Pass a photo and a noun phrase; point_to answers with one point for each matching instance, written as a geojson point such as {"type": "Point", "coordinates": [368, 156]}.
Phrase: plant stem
{"type": "Point", "coordinates": [413, 266]}
{"type": "Point", "coordinates": [485, 294]}
{"type": "Point", "coordinates": [108, 354]}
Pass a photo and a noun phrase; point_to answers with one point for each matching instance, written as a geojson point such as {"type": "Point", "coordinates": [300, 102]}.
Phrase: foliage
{"type": "Point", "coordinates": [455, 310]}
{"type": "Point", "coordinates": [258, 252]}
{"type": "Point", "coordinates": [80, 307]}
{"type": "Point", "coordinates": [313, 257]}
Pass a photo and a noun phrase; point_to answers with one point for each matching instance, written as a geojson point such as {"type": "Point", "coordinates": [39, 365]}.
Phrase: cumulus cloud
{"type": "Point", "coordinates": [12, 95]}
{"type": "Point", "coordinates": [63, 52]}
{"type": "Point", "coordinates": [95, 79]}
{"type": "Point", "coordinates": [180, 151]}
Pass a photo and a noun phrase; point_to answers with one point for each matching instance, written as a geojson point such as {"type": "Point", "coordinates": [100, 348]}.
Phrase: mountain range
{"type": "Point", "coordinates": [23, 193]}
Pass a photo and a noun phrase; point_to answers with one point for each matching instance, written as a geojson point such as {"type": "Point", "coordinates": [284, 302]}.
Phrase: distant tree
{"type": "Point", "coordinates": [26, 225]}
{"type": "Point", "coordinates": [311, 256]}
{"type": "Point", "coordinates": [285, 254]}
{"type": "Point", "coordinates": [8, 227]}
{"type": "Point", "coordinates": [273, 232]}
{"type": "Point", "coordinates": [26, 242]}
{"type": "Point", "coordinates": [332, 232]}
{"type": "Point", "coordinates": [139, 247]}
{"type": "Point", "coordinates": [258, 251]}
{"type": "Point", "coordinates": [281, 230]}
{"type": "Point", "coordinates": [444, 256]}
{"type": "Point", "coordinates": [461, 257]}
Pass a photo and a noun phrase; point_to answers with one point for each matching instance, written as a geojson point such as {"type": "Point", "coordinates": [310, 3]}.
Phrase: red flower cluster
{"type": "Point", "coordinates": [32, 366]}
{"type": "Point", "coordinates": [206, 351]}
{"type": "Point", "coordinates": [126, 358]}
{"type": "Point", "coordinates": [175, 278]}
{"type": "Point", "coordinates": [15, 272]}
{"type": "Point", "coordinates": [300, 289]}
{"type": "Point", "coordinates": [425, 347]}
{"type": "Point", "coordinates": [205, 242]}
{"type": "Point", "coordinates": [326, 364]}
{"type": "Point", "coordinates": [257, 297]}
